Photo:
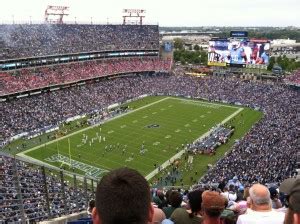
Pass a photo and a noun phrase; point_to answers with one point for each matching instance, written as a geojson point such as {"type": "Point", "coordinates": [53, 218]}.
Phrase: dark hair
{"type": "Point", "coordinates": [195, 201]}
{"type": "Point", "coordinates": [168, 195]}
{"type": "Point", "coordinates": [175, 199]}
{"type": "Point", "coordinates": [123, 196]}
{"type": "Point", "coordinates": [231, 187]}
{"type": "Point", "coordinates": [214, 213]}
{"type": "Point", "coordinates": [92, 204]}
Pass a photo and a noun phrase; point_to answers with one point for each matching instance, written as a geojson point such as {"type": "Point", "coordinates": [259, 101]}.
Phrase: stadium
{"type": "Point", "coordinates": [80, 100]}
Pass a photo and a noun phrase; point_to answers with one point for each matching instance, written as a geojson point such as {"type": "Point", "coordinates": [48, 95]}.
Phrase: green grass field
{"type": "Point", "coordinates": [161, 124]}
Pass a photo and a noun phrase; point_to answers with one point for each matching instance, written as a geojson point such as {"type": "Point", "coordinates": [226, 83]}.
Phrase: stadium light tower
{"type": "Point", "coordinates": [136, 14]}
{"type": "Point", "coordinates": [55, 14]}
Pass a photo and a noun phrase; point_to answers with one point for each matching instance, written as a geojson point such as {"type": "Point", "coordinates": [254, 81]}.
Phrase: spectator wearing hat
{"type": "Point", "coordinates": [213, 205]}
{"type": "Point", "coordinates": [123, 196]}
{"type": "Point", "coordinates": [291, 187]}
{"type": "Point", "coordinates": [276, 203]}
{"type": "Point", "coordinates": [261, 209]}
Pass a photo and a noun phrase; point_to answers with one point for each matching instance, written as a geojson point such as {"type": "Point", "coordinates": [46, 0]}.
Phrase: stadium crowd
{"type": "Point", "coordinates": [267, 154]}
{"type": "Point", "coordinates": [293, 79]}
{"type": "Point", "coordinates": [267, 147]}
{"type": "Point", "coordinates": [28, 79]}
{"type": "Point", "coordinates": [19, 41]}
{"type": "Point", "coordinates": [126, 192]}
{"type": "Point", "coordinates": [63, 200]}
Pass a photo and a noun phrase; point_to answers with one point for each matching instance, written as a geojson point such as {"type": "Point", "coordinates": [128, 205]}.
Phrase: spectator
{"type": "Point", "coordinates": [175, 199]}
{"type": "Point", "coordinates": [31, 183]}
{"type": "Point", "coordinates": [91, 207]}
{"type": "Point", "coordinates": [158, 216]}
{"type": "Point", "coordinates": [23, 40]}
{"type": "Point", "coordinates": [191, 215]}
{"type": "Point", "coordinates": [291, 187]}
{"type": "Point", "coordinates": [159, 199]}
{"type": "Point", "coordinates": [213, 205]}
{"type": "Point", "coordinates": [230, 194]}
{"type": "Point", "coordinates": [123, 196]}
{"type": "Point", "coordinates": [275, 198]}
{"type": "Point", "coordinates": [261, 209]}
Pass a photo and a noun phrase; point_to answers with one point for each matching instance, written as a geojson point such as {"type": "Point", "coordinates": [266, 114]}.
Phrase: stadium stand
{"type": "Point", "coordinates": [21, 41]}
{"type": "Point", "coordinates": [29, 79]}
{"type": "Point", "coordinates": [269, 144]}
{"type": "Point", "coordinates": [34, 193]}
{"type": "Point", "coordinates": [293, 79]}
{"type": "Point", "coordinates": [267, 154]}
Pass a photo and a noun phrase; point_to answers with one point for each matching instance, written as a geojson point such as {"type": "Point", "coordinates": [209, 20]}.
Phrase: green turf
{"type": "Point", "coordinates": [180, 121]}
{"type": "Point", "coordinates": [243, 122]}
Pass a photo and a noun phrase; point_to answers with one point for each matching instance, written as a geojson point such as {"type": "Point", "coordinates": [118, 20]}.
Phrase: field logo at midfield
{"type": "Point", "coordinates": [87, 169]}
{"type": "Point", "coordinates": [153, 126]}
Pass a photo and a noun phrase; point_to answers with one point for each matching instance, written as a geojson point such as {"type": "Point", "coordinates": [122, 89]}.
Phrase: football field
{"type": "Point", "coordinates": [153, 131]}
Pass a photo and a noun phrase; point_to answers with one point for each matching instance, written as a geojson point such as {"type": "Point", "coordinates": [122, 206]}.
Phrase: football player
{"type": "Point", "coordinates": [237, 54]}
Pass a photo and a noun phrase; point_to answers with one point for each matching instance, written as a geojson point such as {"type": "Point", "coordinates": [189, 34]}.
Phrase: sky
{"type": "Point", "coordinates": [163, 12]}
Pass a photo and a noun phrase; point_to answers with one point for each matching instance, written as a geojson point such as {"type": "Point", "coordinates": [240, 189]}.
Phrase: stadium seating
{"type": "Point", "coordinates": [293, 79]}
{"type": "Point", "coordinates": [32, 196]}
{"type": "Point", "coordinates": [28, 79]}
{"type": "Point", "coordinates": [267, 154]}
{"type": "Point", "coordinates": [273, 139]}
{"type": "Point", "coordinates": [20, 41]}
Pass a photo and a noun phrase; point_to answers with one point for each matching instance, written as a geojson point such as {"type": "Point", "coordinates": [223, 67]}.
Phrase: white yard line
{"type": "Point", "coordinates": [179, 154]}
{"type": "Point", "coordinates": [154, 172]}
{"type": "Point", "coordinates": [82, 130]}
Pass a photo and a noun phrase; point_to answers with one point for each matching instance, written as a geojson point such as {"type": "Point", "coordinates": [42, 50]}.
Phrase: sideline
{"type": "Point", "coordinates": [82, 130]}
{"type": "Point", "coordinates": [179, 154]}
{"type": "Point", "coordinates": [154, 172]}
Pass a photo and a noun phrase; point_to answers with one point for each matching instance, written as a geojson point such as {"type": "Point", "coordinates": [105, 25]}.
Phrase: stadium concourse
{"type": "Point", "coordinates": [267, 154]}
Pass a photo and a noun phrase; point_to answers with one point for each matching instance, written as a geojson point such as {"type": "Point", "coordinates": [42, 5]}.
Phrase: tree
{"type": "Point", "coordinates": [271, 63]}
{"type": "Point", "coordinates": [196, 47]}
{"type": "Point", "coordinates": [182, 61]}
{"type": "Point", "coordinates": [178, 43]}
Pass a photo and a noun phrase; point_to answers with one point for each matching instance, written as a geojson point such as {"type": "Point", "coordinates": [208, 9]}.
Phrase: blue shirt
{"type": "Point", "coordinates": [265, 58]}
{"type": "Point", "coordinates": [236, 56]}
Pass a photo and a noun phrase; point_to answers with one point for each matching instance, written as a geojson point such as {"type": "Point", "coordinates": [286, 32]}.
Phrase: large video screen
{"type": "Point", "coordinates": [251, 53]}
{"type": "Point", "coordinates": [218, 52]}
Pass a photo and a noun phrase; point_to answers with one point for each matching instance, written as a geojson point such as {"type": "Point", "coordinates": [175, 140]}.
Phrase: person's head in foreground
{"type": "Point", "coordinates": [213, 205]}
{"type": "Point", "coordinates": [195, 201]}
{"type": "Point", "coordinates": [291, 187]}
{"type": "Point", "coordinates": [123, 196]}
{"type": "Point", "coordinates": [260, 199]}
{"type": "Point", "coordinates": [261, 208]}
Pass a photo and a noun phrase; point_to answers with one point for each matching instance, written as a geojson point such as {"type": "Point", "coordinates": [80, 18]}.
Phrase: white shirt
{"type": "Point", "coordinates": [231, 196]}
{"type": "Point", "coordinates": [254, 217]}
